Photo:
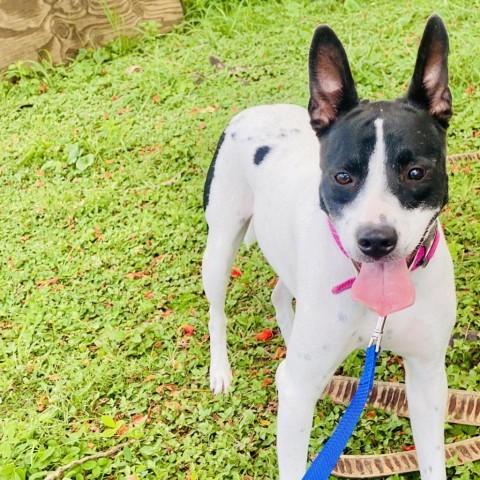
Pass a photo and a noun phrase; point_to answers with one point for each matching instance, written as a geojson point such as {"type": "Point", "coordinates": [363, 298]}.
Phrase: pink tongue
{"type": "Point", "coordinates": [384, 287]}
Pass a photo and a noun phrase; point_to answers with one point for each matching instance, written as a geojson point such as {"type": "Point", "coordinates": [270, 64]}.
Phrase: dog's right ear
{"type": "Point", "coordinates": [332, 89]}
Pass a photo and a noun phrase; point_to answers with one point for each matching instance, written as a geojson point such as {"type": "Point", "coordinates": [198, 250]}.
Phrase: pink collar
{"type": "Point", "coordinates": [422, 257]}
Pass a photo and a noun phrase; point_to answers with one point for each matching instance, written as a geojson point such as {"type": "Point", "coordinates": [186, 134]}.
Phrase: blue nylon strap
{"type": "Point", "coordinates": [326, 460]}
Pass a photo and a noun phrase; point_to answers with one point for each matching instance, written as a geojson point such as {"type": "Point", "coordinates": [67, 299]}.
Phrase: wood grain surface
{"type": "Point", "coordinates": [56, 29]}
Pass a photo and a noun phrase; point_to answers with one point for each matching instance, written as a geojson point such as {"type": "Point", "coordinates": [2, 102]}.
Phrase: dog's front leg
{"type": "Point", "coordinates": [301, 378]}
{"type": "Point", "coordinates": [296, 403]}
{"type": "Point", "coordinates": [427, 393]}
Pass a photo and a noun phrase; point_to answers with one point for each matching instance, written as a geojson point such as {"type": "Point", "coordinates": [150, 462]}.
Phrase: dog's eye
{"type": "Point", "coordinates": [343, 178]}
{"type": "Point", "coordinates": [416, 173]}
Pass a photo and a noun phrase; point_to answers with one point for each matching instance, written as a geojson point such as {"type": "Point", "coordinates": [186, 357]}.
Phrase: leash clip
{"type": "Point", "coordinates": [376, 338]}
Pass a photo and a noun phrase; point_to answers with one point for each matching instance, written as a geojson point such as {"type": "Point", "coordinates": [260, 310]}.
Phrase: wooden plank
{"type": "Point", "coordinates": [33, 29]}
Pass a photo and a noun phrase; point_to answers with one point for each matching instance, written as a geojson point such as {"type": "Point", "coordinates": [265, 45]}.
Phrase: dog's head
{"type": "Point", "coordinates": [384, 178]}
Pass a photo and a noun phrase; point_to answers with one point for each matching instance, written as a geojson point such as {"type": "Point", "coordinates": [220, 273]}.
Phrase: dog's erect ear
{"type": "Point", "coordinates": [429, 86]}
{"type": "Point", "coordinates": [332, 90]}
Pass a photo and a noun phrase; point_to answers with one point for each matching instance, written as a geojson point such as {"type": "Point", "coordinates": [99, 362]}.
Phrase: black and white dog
{"type": "Point", "coordinates": [360, 192]}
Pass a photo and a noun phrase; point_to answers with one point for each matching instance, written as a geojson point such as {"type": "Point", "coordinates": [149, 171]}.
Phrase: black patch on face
{"type": "Point", "coordinates": [346, 147]}
{"type": "Point", "coordinates": [211, 172]}
{"type": "Point", "coordinates": [413, 139]}
{"type": "Point", "coordinates": [260, 154]}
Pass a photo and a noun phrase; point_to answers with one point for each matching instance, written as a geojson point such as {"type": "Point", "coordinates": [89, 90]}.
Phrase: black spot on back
{"type": "Point", "coordinates": [211, 172]}
{"type": "Point", "coordinates": [260, 154]}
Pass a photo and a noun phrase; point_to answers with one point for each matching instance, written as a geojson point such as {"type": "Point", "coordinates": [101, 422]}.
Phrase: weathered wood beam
{"type": "Point", "coordinates": [34, 29]}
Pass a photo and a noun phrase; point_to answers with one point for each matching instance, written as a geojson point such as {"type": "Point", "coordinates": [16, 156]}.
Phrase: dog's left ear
{"type": "Point", "coordinates": [429, 86]}
{"type": "Point", "coordinates": [332, 89]}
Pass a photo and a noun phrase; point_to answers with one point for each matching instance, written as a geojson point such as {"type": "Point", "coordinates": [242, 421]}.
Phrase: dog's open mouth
{"type": "Point", "coordinates": [384, 287]}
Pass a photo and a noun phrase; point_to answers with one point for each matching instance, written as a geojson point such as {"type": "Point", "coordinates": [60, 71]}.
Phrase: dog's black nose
{"type": "Point", "coordinates": [376, 241]}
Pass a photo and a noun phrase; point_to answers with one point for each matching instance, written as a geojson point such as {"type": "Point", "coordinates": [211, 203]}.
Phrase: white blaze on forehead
{"type": "Point", "coordinates": [375, 201]}
{"type": "Point", "coordinates": [376, 182]}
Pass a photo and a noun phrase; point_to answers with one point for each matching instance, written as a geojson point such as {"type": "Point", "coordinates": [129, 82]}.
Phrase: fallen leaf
{"type": "Point", "coordinates": [408, 448]}
{"type": "Point", "coordinates": [42, 403]}
{"type": "Point", "coordinates": [46, 283]}
{"type": "Point", "coordinates": [371, 414]}
{"type": "Point", "coordinates": [149, 295]}
{"type": "Point", "coordinates": [267, 382]}
{"type": "Point", "coordinates": [216, 62]}
{"type": "Point", "coordinates": [166, 313]}
{"type": "Point", "coordinates": [208, 109]}
{"type": "Point", "coordinates": [173, 405]}
{"type": "Point", "coordinates": [43, 88]}
{"type": "Point", "coordinates": [189, 330]}
{"type": "Point", "coordinates": [107, 175]}
{"type": "Point", "coordinates": [167, 386]}
{"type": "Point", "coordinates": [169, 182]}
{"type": "Point", "coordinates": [137, 274]}
{"type": "Point", "coordinates": [236, 272]}
{"type": "Point", "coordinates": [122, 430]}
{"type": "Point", "coordinates": [280, 352]}
{"type": "Point", "coordinates": [137, 419]}
{"type": "Point", "coordinates": [155, 98]}
{"type": "Point", "coordinates": [96, 232]}
{"type": "Point", "coordinates": [114, 97]}
{"type": "Point", "coordinates": [132, 69]}
{"type": "Point", "coordinates": [264, 335]}
{"type": "Point", "coordinates": [263, 422]}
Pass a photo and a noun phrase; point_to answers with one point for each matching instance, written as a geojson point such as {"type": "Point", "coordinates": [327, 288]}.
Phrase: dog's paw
{"type": "Point", "coordinates": [220, 379]}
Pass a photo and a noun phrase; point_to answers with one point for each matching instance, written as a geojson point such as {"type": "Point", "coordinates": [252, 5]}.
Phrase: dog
{"type": "Point", "coordinates": [355, 193]}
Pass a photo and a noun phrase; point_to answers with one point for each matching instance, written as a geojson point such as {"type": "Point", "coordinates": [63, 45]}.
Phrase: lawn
{"type": "Point", "coordinates": [103, 322]}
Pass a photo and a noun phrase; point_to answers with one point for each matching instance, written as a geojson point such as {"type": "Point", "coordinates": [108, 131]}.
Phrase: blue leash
{"type": "Point", "coordinates": [325, 462]}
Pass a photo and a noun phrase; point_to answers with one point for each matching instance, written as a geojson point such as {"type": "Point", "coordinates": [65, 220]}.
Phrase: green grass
{"type": "Point", "coordinates": [102, 232]}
